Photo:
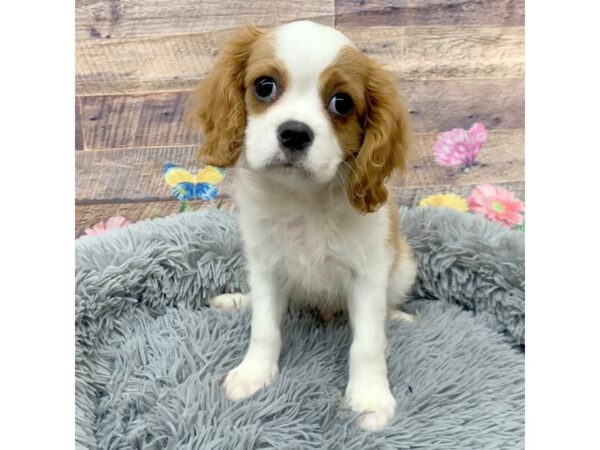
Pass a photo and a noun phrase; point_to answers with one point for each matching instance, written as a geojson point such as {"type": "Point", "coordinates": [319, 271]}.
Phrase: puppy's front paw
{"type": "Point", "coordinates": [247, 378]}
{"type": "Point", "coordinates": [375, 404]}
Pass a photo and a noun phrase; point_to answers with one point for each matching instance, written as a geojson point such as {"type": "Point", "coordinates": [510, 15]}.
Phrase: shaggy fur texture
{"type": "Point", "coordinates": [150, 358]}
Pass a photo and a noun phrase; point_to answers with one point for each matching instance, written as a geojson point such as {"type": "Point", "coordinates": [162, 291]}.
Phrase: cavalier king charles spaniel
{"type": "Point", "coordinates": [315, 128]}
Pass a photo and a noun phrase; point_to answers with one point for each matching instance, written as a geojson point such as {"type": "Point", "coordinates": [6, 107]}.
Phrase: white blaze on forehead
{"type": "Point", "coordinates": [306, 49]}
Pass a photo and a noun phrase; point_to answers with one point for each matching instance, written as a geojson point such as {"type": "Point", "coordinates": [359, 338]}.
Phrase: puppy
{"type": "Point", "coordinates": [314, 127]}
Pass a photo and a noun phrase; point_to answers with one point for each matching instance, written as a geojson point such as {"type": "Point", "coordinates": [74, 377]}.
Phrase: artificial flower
{"type": "Point", "coordinates": [449, 200]}
{"type": "Point", "coordinates": [113, 222]}
{"type": "Point", "coordinates": [186, 186]}
{"type": "Point", "coordinates": [459, 147]}
{"type": "Point", "coordinates": [497, 204]}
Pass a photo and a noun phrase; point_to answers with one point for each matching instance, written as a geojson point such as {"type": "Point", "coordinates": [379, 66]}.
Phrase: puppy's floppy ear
{"type": "Point", "coordinates": [218, 102]}
{"type": "Point", "coordinates": [385, 144]}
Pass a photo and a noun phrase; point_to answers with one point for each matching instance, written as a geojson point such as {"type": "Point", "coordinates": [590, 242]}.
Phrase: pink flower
{"type": "Point", "coordinates": [459, 147]}
{"type": "Point", "coordinates": [113, 222]}
{"type": "Point", "coordinates": [497, 204]}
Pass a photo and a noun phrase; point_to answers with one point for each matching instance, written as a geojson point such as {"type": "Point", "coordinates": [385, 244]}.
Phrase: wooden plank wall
{"type": "Point", "coordinates": [136, 61]}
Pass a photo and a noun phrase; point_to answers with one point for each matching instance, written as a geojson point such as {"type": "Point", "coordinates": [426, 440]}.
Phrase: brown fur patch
{"type": "Point", "coordinates": [376, 135]}
{"type": "Point", "coordinates": [396, 240]}
{"type": "Point", "coordinates": [222, 101]}
{"type": "Point", "coordinates": [218, 101]}
{"type": "Point", "coordinates": [263, 62]}
{"type": "Point", "coordinates": [346, 75]}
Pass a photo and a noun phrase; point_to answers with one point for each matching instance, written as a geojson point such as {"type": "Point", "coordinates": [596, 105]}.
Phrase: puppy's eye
{"type": "Point", "coordinates": [265, 89]}
{"type": "Point", "coordinates": [340, 104]}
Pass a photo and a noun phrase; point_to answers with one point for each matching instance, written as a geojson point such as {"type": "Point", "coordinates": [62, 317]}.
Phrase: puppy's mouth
{"type": "Point", "coordinates": [289, 166]}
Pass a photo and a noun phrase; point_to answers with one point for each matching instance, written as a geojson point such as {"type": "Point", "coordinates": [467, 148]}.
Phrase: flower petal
{"type": "Point", "coordinates": [448, 200]}
{"type": "Point", "coordinates": [478, 133]}
{"type": "Point", "coordinates": [496, 204]}
{"type": "Point", "coordinates": [117, 222]}
{"type": "Point", "coordinates": [456, 148]}
{"type": "Point", "coordinates": [183, 191]}
{"type": "Point", "coordinates": [205, 191]}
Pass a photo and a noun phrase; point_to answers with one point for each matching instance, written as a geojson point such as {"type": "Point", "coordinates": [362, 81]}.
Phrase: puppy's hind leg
{"type": "Point", "coordinates": [230, 302]}
{"type": "Point", "coordinates": [401, 282]}
{"type": "Point", "coordinates": [400, 316]}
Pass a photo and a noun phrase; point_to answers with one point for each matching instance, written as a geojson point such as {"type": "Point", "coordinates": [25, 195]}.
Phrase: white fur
{"type": "Point", "coordinates": [317, 250]}
{"type": "Point", "coordinates": [305, 243]}
{"type": "Point", "coordinates": [230, 302]}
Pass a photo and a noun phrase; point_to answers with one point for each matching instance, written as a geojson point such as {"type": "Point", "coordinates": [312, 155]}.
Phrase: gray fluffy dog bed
{"type": "Point", "coordinates": [150, 356]}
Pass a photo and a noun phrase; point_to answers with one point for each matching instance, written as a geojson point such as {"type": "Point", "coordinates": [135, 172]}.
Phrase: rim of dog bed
{"type": "Point", "coordinates": [201, 254]}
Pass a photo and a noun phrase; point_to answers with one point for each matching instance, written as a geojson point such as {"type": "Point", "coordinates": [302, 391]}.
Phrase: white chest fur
{"type": "Point", "coordinates": [314, 242]}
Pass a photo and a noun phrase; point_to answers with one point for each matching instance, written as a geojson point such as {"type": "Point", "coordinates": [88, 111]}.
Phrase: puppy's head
{"type": "Point", "coordinates": [306, 107]}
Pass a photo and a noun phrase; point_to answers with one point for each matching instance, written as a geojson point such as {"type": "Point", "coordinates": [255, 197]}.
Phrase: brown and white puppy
{"type": "Point", "coordinates": [315, 127]}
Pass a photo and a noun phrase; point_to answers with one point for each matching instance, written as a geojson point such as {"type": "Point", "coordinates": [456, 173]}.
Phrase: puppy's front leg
{"type": "Point", "coordinates": [259, 366]}
{"type": "Point", "coordinates": [368, 390]}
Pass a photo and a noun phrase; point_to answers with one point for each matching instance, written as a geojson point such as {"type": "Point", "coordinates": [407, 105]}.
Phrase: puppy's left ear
{"type": "Point", "coordinates": [218, 102]}
{"type": "Point", "coordinates": [385, 144]}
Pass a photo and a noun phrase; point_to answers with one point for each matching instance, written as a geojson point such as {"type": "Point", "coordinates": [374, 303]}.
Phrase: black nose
{"type": "Point", "coordinates": [294, 135]}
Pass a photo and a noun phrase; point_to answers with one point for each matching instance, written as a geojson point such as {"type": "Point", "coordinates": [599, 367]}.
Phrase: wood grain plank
{"type": "Point", "coordinates": [136, 121]}
{"type": "Point", "coordinates": [153, 120]}
{"type": "Point", "coordinates": [105, 19]}
{"type": "Point", "coordinates": [441, 53]}
{"type": "Point", "coordinates": [146, 64]}
{"type": "Point", "coordinates": [171, 63]}
{"type": "Point", "coordinates": [443, 105]}
{"type": "Point", "coordinates": [79, 145]}
{"type": "Point", "coordinates": [427, 12]}
{"type": "Point", "coordinates": [132, 174]}
{"type": "Point", "coordinates": [136, 174]}
{"type": "Point", "coordinates": [88, 215]}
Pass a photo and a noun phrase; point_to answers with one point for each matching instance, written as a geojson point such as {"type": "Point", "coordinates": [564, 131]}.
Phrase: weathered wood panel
{"type": "Point", "coordinates": [159, 63]}
{"type": "Point", "coordinates": [79, 145]}
{"type": "Point", "coordinates": [427, 12]}
{"type": "Point", "coordinates": [136, 174]}
{"type": "Point", "coordinates": [153, 120]}
{"type": "Point", "coordinates": [90, 214]}
{"type": "Point", "coordinates": [126, 175]}
{"type": "Point", "coordinates": [136, 121]}
{"type": "Point", "coordinates": [87, 215]}
{"type": "Point", "coordinates": [132, 174]}
{"type": "Point", "coordinates": [434, 53]}
{"type": "Point", "coordinates": [441, 53]}
{"type": "Point", "coordinates": [106, 19]}
{"type": "Point", "coordinates": [443, 105]}
{"type": "Point", "coordinates": [169, 63]}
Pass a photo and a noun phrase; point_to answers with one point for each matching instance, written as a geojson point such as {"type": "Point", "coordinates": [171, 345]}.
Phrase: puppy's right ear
{"type": "Point", "coordinates": [218, 101]}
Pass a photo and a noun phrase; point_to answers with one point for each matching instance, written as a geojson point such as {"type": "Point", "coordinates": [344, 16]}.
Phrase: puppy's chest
{"type": "Point", "coordinates": [313, 250]}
